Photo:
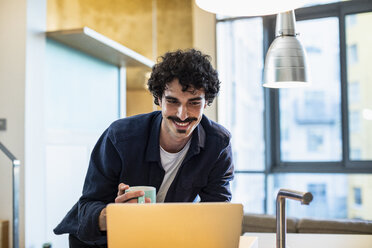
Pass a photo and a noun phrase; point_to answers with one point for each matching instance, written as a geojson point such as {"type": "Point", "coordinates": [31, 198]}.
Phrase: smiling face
{"type": "Point", "coordinates": [181, 111]}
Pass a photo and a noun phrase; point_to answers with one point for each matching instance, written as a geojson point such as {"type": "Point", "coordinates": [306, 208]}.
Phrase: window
{"type": "Point", "coordinates": [356, 154]}
{"type": "Point", "coordinates": [359, 203]}
{"type": "Point", "coordinates": [313, 114]}
{"type": "Point", "coordinates": [359, 78]}
{"type": "Point", "coordinates": [240, 54]}
{"type": "Point", "coordinates": [351, 20]}
{"type": "Point", "coordinates": [354, 122]}
{"type": "Point", "coordinates": [358, 196]}
{"type": "Point", "coordinates": [249, 189]}
{"type": "Point", "coordinates": [315, 140]}
{"type": "Point", "coordinates": [354, 92]}
{"type": "Point", "coordinates": [306, 139]}
{"type": "Point", "coordinates": [352, 54]}
{"type": "Point", "coordinates": [330, 194]}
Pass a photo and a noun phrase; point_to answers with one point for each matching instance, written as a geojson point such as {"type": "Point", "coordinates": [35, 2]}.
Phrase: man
{"type": "Point", "coordinates": [179, 151]}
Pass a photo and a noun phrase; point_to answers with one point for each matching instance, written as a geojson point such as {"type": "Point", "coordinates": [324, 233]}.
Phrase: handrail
{"type": "Point", "coordinates": [15, 174]}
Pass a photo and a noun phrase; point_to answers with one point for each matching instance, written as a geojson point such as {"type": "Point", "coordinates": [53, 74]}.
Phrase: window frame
{"type": "Point", "coordinates": [273, 163]}
{"type": "Point", "coordinates": [271, 118]}
{"type": "Point", "coordinates": [339, 10]}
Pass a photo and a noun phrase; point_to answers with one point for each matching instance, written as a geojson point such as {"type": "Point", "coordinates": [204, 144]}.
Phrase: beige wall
{"type": "Point", "coordinates": [128, 22]}
{"type": "Point", "coordinates": [204, 39]}
{"type": "Point", "coordinates": [12, 98]}
{"type": "Point", "coordinates": [174, 25]}
{"type": "Point", "coordinates": [140, 100]}
{"type": "Point", "coordinates": [149, 27]}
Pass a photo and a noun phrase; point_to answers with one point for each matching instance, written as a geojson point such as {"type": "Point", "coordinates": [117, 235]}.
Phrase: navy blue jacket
{"type": "Point", "coordinates": [128, 152]}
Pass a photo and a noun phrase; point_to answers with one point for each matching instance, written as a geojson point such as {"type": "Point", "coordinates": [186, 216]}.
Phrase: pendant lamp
{"type": "Point", "coordinates": [285, 64]}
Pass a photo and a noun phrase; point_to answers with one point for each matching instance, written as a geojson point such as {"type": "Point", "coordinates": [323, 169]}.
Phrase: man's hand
{"type": "Point", "coordinates": [122, 197]}
{"type": "Point", "coordinates": [129, 197]}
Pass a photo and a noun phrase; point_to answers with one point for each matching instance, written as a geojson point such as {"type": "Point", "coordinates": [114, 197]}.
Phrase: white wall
{"type": "Point", "coordinates": [35, 184]}
{"type": "Point", "coordinates": [20, 68]}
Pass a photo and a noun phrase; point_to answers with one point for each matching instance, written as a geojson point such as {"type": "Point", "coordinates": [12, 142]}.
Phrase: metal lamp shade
{"type": "Point", "coordinates": [285, 64]}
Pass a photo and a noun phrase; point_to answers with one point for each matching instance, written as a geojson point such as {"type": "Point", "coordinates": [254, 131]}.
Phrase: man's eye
{"type": "Point", "coordinates": [172, 101]}
{"type": "Point", "coordinates": [195, 103]}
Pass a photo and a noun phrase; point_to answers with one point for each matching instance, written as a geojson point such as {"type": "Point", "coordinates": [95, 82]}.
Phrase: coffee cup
{"type": "Point", "coordinates": [150, 192]}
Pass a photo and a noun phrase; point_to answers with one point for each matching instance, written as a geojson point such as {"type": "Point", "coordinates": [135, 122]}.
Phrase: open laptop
{"type": "Point", "coordinates": [174, 225]}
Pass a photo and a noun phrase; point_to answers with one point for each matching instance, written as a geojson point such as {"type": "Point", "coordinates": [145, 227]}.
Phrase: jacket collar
{"type": "Point", "coordinates": [153, 148]}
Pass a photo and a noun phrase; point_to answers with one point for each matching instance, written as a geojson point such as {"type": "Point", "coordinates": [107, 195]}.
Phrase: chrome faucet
{"type": "Point", "coordinates": [281, 221]}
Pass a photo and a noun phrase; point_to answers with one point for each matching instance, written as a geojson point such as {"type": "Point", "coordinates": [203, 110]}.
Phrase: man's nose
{"type": "Point", "coordinates": [182, 113]}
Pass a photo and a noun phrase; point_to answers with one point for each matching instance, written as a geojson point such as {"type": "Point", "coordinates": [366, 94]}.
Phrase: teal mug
{"type": "Point", "coordinates": [150, 192]}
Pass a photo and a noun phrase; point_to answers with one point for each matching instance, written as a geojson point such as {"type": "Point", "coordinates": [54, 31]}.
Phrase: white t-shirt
{"type": "Point", "coordinates": [171, 162]}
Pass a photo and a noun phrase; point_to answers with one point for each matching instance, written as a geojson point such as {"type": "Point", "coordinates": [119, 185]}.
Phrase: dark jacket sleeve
{"type": "Point", "coordinates": [100, 187]}
{"type": "Point", "coordinates": [218, 186]}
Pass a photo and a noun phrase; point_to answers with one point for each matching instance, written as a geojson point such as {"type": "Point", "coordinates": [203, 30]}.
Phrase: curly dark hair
{"type": "Point", "coordinates": [191, 67]}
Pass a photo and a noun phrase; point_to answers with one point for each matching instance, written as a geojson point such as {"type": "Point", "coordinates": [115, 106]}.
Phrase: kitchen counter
{"type": "Point", "coordinates": [302, 240]}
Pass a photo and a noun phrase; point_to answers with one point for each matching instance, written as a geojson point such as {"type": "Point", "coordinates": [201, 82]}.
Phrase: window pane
{"type": "Point", "coordinates": [335, 196]}
{"type": "Point", "coordinates": [310, 118]}
{"type": "Point", "coordinates": [330, 194]}
{"type": "Point", "coordinates": [359, 77]}
{"type": "Point", "coordinates": [360, 197]}
{"type": "Point", "coordinates": [240, 108]}
{"type": "Point", "coordinates": [249, 189]}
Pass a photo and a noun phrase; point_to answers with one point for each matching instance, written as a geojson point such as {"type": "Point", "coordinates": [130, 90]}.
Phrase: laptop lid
{"type": "Point", "coordinates": [176, 225]}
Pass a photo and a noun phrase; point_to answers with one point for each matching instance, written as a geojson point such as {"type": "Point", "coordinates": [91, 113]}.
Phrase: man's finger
{"type": "Point", "coordinates": [121, 188]}
{"type": "Point", "coordinates": [129, 196]}
{"type": "Point", "coordinates": [131, 200]}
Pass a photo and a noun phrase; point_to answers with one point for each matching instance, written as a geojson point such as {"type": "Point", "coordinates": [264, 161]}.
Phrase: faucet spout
{"type": "Point", "coordinates": [281, 222]}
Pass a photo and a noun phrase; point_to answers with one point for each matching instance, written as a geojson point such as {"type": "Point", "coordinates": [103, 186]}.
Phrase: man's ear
{"type": "Point", "coordinates": [159, 101]}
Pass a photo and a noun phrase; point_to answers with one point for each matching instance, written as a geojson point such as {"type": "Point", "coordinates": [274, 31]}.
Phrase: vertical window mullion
{"type": "Point", "coordinates": [344, 95]}
{"type": "Point", "coordinates": [270, 113]}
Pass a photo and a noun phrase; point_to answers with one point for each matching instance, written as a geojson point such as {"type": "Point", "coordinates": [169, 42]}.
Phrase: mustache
{"type": "Point", "coordinates": [174, 118]}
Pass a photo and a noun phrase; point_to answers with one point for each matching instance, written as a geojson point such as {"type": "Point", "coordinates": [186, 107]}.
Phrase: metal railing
{"type": "Point", "coordinates": [15, 174]}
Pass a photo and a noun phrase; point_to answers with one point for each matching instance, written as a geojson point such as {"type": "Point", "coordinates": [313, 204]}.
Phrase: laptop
{"type": "Point", "coordinates": [174, 225]}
